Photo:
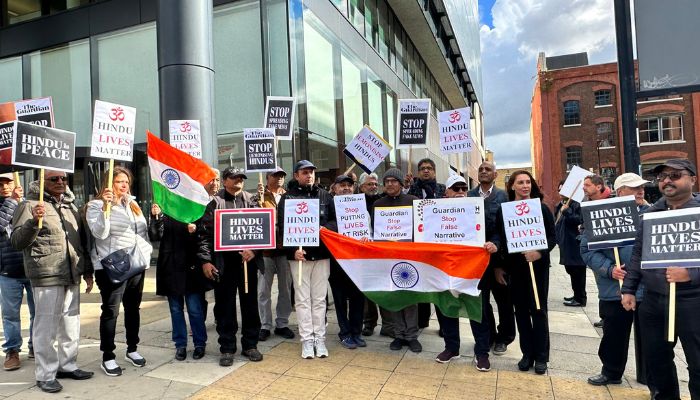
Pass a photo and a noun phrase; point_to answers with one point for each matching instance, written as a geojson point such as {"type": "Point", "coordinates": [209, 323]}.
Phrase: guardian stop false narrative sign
{"type": "Point", "coordinates": [36, 146]}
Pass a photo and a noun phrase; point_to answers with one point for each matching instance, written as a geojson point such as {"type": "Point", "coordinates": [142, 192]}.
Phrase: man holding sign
{"type": "Point", "coordinates": [676, 179]}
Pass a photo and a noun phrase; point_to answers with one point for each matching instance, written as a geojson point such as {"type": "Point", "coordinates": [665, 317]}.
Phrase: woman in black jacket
{"type": "Point", "coordinates": [533, 325]}
{"type": "Point", "coordinates": [180, 279]}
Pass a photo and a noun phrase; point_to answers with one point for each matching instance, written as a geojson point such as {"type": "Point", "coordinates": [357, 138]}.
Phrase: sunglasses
{"type": "Point", "coordinates": [55, 179]}
{"type": "Point", "coordinates": [675, 175]}
{"type": "Point", "coordinates": [458, 188]}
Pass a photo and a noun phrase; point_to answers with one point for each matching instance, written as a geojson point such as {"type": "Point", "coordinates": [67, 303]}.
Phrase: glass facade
{"type": "Point", "coordinates": [10, 79]}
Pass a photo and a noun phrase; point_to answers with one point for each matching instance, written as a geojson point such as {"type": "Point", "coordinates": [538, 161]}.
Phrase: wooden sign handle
{"type": "Point", "coordinates": [245, 275]}
{"type": "Point", "coordinates": [672, 312]}
{"type": "Point", "coordinates": [110, 181]}
{"type": "Point", "coordinates": [41, 194]}
{"type": "Point", "coordinates": [260, 201]}
{"type": "Point", "coordinates": [534, 286]}
{"type": "Point", "coordinates": [347, 171]}
{"type": "Point", "coordinates": [410, 166]}
{"type": "Point", "coordinates": [568, 200]}
{"type": "Point", "coordinates": [299, 268]}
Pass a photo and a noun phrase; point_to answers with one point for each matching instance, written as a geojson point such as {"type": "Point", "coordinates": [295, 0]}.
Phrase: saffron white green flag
{"type": "Point", "coordinates": [178, 181]}
{"type": "Point", "coordinates": [395, 275]}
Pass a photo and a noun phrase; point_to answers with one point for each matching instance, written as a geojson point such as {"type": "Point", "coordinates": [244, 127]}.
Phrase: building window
{"type": "Point", "coordinates": [574, 156]}
{"type": "Point", "coordinates": [604, 135]}
{"type": "Point", "coordinates": [602, 98]}
{"type": "Point", "coordinates": [666, 128]}
{"type": "Point", "coordinates": [572, 113]}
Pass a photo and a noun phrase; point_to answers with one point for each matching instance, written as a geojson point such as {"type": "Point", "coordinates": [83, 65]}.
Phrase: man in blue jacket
{"type": "Point", "coordinates": [617, 322]}
{"type": "Point", "coordinates": [676, 178]}
{"type": "Point", "coordinates": [13, 281]}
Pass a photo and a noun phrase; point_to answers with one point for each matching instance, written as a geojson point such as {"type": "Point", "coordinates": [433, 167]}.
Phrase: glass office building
{"type": "Point", "coordinates": [347, 62]}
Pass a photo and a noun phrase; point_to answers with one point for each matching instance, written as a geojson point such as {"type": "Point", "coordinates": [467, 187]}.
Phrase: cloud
{"type": "Point", "coordinates": [521, 30]}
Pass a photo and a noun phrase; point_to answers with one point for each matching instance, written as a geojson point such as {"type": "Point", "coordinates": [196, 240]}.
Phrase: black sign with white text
{"type": "Point", "coordinates": [610, 222]}
{"type": "Point", "coordinates": [260, 150]}
{"type": "Point", "coordinates": [671, 239]}
{"type": "Point", "coordinates": [7, 132]}
{"type": "Point", "coordinates": [412, 123]}
{"type": "Point", "coordinates": [40, 147]}
{"type": "Point", "coordinates": [244, 228]}
{"type": "Point", "coordinates": [279, 114]}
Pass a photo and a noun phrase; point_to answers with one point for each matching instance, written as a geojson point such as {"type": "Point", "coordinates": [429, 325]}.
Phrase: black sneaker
{"type": "Point", "coordinates": [111, 368]}
{"type": "Point", "coordinates": [525, 363]}
{"type": "Point", "coordinates": [415, 346]}
{"type": "Point", "coordinates": [180, 353]}
{"type": "Point", "coordinates": [396, 344]}
{"type": "Point", "coordinates": [284, 332]}
{"type": "Point", "coordinates": [226, 359]}
{"type": "Point", "coordinates": [482, 363]}
{"type": "Point", "coordinates": [446, 356]}
{"type": "Point", "coordinates": [598, 324]}
{"type": "Point", "coordinates": [499, 348]}
{"type": "Point", "coordinates": [198, 353]}
{"type": "Point", "coordinates": [135, 358]}
{"type": "Point", "coordinates": [49, 386]}
{"type": "Point", "coordinates": [540, 367]}
{"type": "Point", "coordinates": [368, 331]}
{"type": "Point", "coordinates": [263, 335]}
{"type": "Point", "coordinates": [252, 354]}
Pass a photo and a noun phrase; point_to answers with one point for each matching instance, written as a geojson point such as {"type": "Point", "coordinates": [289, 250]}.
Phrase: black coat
{"type": "Point", "coordinates": [567, 230]}
{"type": "Point", "coordinates": [178, 273]}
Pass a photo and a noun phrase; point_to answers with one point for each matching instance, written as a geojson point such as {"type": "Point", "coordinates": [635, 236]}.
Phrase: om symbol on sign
{"type": "Point", "coordinates": [521, 209]}
{"type": "Point", "coordinates": [454, 117]}
{"type": "Point", "coordinates": [117, 113]}
{"type": "Point", "coordinates": [302, 208]}
{"type": "Point", "coordinates": [185, 127]}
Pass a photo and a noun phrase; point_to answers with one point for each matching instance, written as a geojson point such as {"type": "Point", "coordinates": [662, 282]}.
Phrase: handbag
{"type": "Point", "coordinates": [123, 264]}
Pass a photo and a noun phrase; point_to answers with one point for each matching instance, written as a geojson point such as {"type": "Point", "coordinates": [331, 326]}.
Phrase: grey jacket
{"type": "Point", "coordinates": [53, 255]}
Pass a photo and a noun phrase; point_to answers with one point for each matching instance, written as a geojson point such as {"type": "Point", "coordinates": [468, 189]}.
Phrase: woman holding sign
{"type": "Point", "coordinates": [530, 315]}
{"type": "Point", "coordinates": [124, 228]}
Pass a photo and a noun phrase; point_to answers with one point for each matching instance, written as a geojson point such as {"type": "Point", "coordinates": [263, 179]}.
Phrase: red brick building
{"type": "Point", "coordinates": [575, 120]}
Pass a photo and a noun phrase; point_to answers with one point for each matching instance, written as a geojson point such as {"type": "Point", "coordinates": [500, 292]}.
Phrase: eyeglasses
{"type": "Point", "coordinates": [675, 175]}
{"type": "Point", "coordinates": [427, 169]}
{"type": "Point", "coordinates": [458, 188]}
{"type": "Point", "coordinates": [55, 179]}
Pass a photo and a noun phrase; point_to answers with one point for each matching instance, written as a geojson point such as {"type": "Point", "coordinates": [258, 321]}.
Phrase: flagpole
{"type": "Point", "coordinates": [110, 178]}
{"type": "Point", "coordinates": [534, 285]}
{"type": "Point", "coordinates": [41, 194]}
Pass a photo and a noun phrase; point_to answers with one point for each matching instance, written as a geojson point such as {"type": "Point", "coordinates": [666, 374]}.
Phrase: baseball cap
{"type": "Point", "coordinates": [677, 163]}
{"type": "Point", "coordinates": [277, 171]}
{"type": "Point", "coordinates": [232, 172]}
{"type": "Point", "coordinates": [302, 164]}
{"type": "Point", "coordinates": [344, 178]}
{"type": "Point", "coordinates": [454, 179]}
{"type": "Point", "coordinates": [629, 179]}
{"type": "Point", "coordinates": [7, 176]}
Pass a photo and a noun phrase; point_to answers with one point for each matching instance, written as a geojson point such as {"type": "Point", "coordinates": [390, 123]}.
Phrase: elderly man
{"type": "Point", "coordinates": [369, 184]}
{"type": "Point", "coordinates": [13, 281]}
{"type": "Point", "coordinates": [676, 178]}
{"type": "Point", "coordinates": [54, 261]}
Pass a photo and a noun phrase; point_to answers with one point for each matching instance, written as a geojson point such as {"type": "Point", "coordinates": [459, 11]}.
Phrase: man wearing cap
{"type": "Point", "coordinates": [494, 280]}
{"type": "Point", "coordinates": [275, 262]}
{"type": "Point", "coordinates": [457, 188]}
{"type": "Point", "coordinates": [13, 281]}
{"type": "Point", "coordinates": [617, 323]}
{"type": "Point", "coordinates": [310, 293]}
{"type": "Point", "coordinates": [226, 270]}
{"type": "Point", "coordinates": [676, 179]}
{"type": "Point", "coordinates": [405, 322]}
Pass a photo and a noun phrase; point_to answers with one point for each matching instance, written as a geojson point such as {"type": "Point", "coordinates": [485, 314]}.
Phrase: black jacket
{"type": "Point", "coordinates": [491, 205]}
{"type": "Point", "coordinates": [515, 263]}
{"type": "Point", "coordinates": [568, 233]}
{"type": "Point", "coordinates": [326, 216]}
{"type": "Point", "coordinates": [178, 272]}
{"type": "Point", "coordinates": [655, 279]}
{"type": "Point", "coordinates": [11, 262]}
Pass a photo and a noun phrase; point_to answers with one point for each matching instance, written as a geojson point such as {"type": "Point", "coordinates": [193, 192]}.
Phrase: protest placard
{"type": "Point", "coordinates": [352, 216]}
{"type": "Point", "coordinates": [301, 222]}
{"type": "Point", "coordinates": [671, 239]}
{"type": "Point", "coordinates": [36, 146]}
{"type": "Point", "coordinates": [279, 114]}
{"type": "Point", "coordinates": [412, 122]}
{"type": "Point", "coordinates": [454, 220]}
{"type": "Point", "coordinates": [367, 149]}
{"type": "Point", "coordinates": [244, 228]}
{"type": "Point", "coordinates": [393, 223]}
{"type": "Point", "coordinates": [34, 111]}
{"type": "Point", "coordinates": [260, 150]}
{"type": "Point", "coordinates": [610, 223]}
{"type": "Point", "coordinates": [524, 225]}
{"type": "Point", "coordinates": [113, 128]}
{"type": "Point", "coordinates": [7, 132]}
{"type": "Point", "coordinates": [185, 135]}
{"type": "Point", "coordinates": [455, 131]}
{"type": "Point", "coordinates": [573, 186]}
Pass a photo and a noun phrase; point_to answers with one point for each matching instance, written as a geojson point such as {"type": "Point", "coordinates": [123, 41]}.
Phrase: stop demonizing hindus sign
{"type": "Point", "coordinates": [260, 150]}
{"type": "Point", "coordinates": [279, 114]}
{"type": "Point", "coordinates": [185, 135]}
{"type": "Point", "coordinates": [610, 222]}
{"type": "Point", "coordinates": [524, 225]}
{"type": "Point", "coordinates": [244, 228]}
{"type": "Point", "coordinates": [367, 149]}
{"type": "Point", "coordinates": [113, 128]}
{"type": "Point", "coordinates": [671, 239]}
{"type": "Point", "coordinates": [301, 223]}
{"type": "Point", "coordinates": [352, 216]}
{"type": "Point", "coordinates": [412, 123]}
{"type": "Point", "coordinates": [40, 147]}
{"type": "Point", "coordinates": [455, 131]}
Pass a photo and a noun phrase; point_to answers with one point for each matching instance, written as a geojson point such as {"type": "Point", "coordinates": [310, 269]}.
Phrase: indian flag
{"type": "Point", "coordinates": [398, 274]}
{"type": "Point", "coordinates": [178, 181]}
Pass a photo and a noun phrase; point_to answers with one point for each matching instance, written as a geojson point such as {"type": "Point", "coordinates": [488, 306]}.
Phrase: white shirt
{"type": "Point", "coordinates": [485, 194]}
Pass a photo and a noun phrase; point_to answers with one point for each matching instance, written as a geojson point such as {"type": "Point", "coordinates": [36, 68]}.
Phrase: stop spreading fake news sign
{"type": "Point", "coordinates": [524, 226]}
{"type": "Point", "coordinates": [40, 147]}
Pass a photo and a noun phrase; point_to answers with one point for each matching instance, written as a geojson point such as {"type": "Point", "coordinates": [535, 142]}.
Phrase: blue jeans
{"type": "Point", "coordinates": [196, 310]}
{"type": "Point", "coordinates": [11, 293]}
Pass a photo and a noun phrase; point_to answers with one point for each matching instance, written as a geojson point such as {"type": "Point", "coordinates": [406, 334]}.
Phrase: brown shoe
{"type": "Point", "coordinates": [12, 361]}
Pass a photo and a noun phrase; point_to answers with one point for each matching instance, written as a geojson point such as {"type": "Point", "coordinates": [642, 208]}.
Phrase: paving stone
{"type": "Point", "coordinates": [412, 385]}
{"type": "Point", "coordinates": [271, 363]}
{"type": "Point", "coordinates": [179, 390]}
{"type": "Point", "coordinates": [384, 395]}
{"type": "Point", "coordinates": [620, 393]}
{"type": "Point", "coordinates": [524, 382]}
{"type": "Point", "coordinates": [220, 393]}
{"type": "Point", "coordinates": [568, 322]}
{"type": "Point", "coordinates": [419, 366]}
{"type": "Point", "coordinates": [339, 391]}
{"type": "Point", "coordinates": [513, 394]}
{"type": "Point", "coordinates": [314, 369]}
{"type": "Point", "coordinates": [247, 380]}
{"type": "Point", "coordinates": [467, 373]}
{"type": "Point", "coordinates": [293, 388]}
{"type": "Point", "coordinates": [459, 390]}
{"type": "Point", "coordinates": [573, 361]}
{"type": "Point", "coordinates": [359, 376]}
{"type": "Point", "coordinates": [190, 373]}
{"type": "Point", "coordinates": [376, 360]}
{"type": "Point", "coordinates": [287, 349]}
{"type": "Point", "coordinates": [571, 389]}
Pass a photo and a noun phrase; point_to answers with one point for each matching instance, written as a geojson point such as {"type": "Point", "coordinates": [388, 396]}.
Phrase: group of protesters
{"type": "Point", "coordinates": [48, 246]}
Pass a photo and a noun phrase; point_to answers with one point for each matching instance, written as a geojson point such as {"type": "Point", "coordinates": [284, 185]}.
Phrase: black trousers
{"type": "Point", "coordinates": [424, 313]}
{"type": "Point", "coordinates": [653, 318]}
{"type": "Point", "coordinates": [129, 294]}
{"type": "Point", "coordinates": [614, 345]}
{"type": "Point", "coordinates": [349, 303]}
{"type": "Point", "coordinates": [504, 332]}
{"type": "Point", "coordinates": [371, 317]}
{"type": "Point", "coordinates": [231, 280]}
{"type": "Point", "coordinates": [483, 331]}
{"type": "Point", "coordinates": [450, 331]}
{"type": "Point", "coordinates": [577, 273]}
{"type": "Point", "coordinates": [533, 324]}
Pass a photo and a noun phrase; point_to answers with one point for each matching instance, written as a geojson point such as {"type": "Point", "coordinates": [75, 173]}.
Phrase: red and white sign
{"type": "Point", "coordinates": [34, 111]}
{"type": "Point", "coordinates": [113, 128]}
{"type": "Point", "coordinates": [454, 220]}
{"type": "Point", "coordinates": [524, 226]}
{"type": "Point", "coordinates": [185, 135]}
{"type": "Point", "coordinates": [455, 131]}
{"type": "Point", "coordinates": [301, 223]}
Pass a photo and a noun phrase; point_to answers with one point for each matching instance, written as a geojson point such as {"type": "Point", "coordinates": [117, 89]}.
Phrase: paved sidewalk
{"type": "Point", "coordinates": [369, 373]}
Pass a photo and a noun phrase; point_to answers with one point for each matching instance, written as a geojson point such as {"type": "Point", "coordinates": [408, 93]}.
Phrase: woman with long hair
{"type": "Point", "coordinates": [121, 227]}
{"type": "Point", "coordinates": [533, 325]}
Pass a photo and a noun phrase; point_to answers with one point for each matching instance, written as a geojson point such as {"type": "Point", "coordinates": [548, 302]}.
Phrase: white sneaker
{"type": "Point", "coordinates": [307, 349]}
{"type": "Point", "coordinates": [321, 350]}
